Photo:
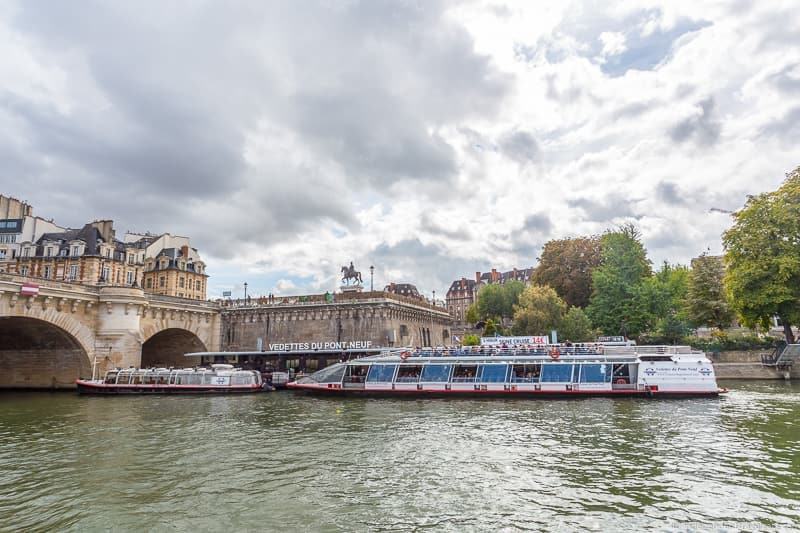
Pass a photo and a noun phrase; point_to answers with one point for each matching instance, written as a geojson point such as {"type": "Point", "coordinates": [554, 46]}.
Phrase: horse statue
{"type": "Point", "coordinates": [349, 273]}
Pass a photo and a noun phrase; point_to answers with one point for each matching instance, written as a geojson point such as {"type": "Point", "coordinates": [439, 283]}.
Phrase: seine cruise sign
{"type": "Point", "coordinates": [514, 341]}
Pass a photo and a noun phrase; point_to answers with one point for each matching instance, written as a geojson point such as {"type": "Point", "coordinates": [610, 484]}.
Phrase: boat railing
{"type": "Point", "coordinates": [464, 380]}
{"type": "Point", "coordinates": [407, 379]}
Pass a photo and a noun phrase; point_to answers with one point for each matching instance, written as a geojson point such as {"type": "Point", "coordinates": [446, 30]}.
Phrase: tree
{"type": "Point", "coordinates": [497, 300]}
{"type": "Point", "coordinates": [762, 255]}
{"type": "Point", "coordinates": [576, 326]}
{"type": "Point", "coordinates": [567, 266]}
{"type": "Point", "coordinates": [539, 311]}
{"type": "Point", "coordinates": [472, 315]}
{"type": "Point", "coordinates": [707, 302]}
{"type": "Point", "coordinates": [663, 296]}
{"type": "Point", "coordinates": [471, 340]}
{"type": "Point", "coordinates": [491, 327]}
{"type": "Point", "coordinates": [614, 306]}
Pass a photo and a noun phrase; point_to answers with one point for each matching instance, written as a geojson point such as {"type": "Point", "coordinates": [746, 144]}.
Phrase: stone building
{"type": "Point", "coordinates": [312, 325]}
{"type": "Point", "coordinates": [18, 225]}
{"type": "Point", "coordinates": [92, 255]}
{"type": "Point", "coordinates": [404, 289]}
{"type": "Point", "coordinates": [464, 292]}
{"type": "Point", "coordinates": [173, 268]}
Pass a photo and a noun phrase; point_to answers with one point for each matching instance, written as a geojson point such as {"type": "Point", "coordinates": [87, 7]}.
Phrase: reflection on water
{"type": "Point", "coordinates": [291, 462]}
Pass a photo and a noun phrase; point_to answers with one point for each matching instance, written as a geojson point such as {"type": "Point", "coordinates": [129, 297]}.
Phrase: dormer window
{"type": "Point", "coordinates": [48, 252]}
{"type": "Point", "coordinates": [76, 251]}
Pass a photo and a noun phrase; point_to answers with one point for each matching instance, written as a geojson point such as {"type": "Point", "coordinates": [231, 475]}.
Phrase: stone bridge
{"type": "Point", "coordinates": [50, 339]}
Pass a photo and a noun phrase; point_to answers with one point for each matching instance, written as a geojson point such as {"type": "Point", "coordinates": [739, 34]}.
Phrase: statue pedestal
{"type": "Point", "coordinates": [351, 288]}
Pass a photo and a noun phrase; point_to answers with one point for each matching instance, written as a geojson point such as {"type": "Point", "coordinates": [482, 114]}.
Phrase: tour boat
{"type": "Point", "coordinates": [219, 379]}
{"type": "Point", "coordinates": [531, 372]}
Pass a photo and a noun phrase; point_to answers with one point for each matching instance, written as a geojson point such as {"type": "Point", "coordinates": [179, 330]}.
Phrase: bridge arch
{"type": "Point", "coordinates": [166, 348]}
{"type": "Point", "coordinates": [38, 353]}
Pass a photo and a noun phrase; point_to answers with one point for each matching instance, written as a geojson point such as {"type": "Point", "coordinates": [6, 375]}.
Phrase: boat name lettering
{"type": "Point", "coordinates": [349, 345]}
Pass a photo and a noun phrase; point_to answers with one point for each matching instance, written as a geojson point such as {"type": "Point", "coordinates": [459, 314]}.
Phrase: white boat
{"type": "Point", "coordinates": [219, 379]}
{"type": "Point", "coordinates": [536, 371]}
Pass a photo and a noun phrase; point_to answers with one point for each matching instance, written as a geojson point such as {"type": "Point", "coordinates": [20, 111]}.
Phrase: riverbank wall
{"type": "Point", "coordinates": [747, 365]}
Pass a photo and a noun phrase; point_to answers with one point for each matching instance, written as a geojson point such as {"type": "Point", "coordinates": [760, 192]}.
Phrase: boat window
{"type": "Point", "coordinates": [556, 373]}
{"type": "Point", "coordinates": [436, 373]}
{"type": "Point", "coordinates": [526, 373]}
{"type": "Point", "coordinates": [242, 378]}
{"type": "Point", "coordinates": [111, 377]}
{"type": "Point", "coordinates": [622, 374]}
{"type": "Point", "coordinates": [655, 357]}
{"type": "Point", "coordinates": [595, 373]}
{"type": "Point", "coordinates": [408, 374]}
{"type": "Point", "coordinates": [465, 373]}
{"type": "Point", "coordinates": [381, 373]}
{"type": "Point", "coordinates": [356, 373]}
{"type": "Point", "coordinates": [124, 379]}
{"type": "Point", "coordinates": [331, 374]}
{"type": "Point", "coordinates": [493, 373]}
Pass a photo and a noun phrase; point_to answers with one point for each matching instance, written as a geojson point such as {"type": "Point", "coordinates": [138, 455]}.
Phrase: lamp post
{"type": "Point", "coordinates": [245, 293]}
{"type": "Point", "coordinates": [371, 278]}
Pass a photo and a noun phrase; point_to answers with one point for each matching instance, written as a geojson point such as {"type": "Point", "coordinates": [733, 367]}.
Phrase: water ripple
{"type": "Point", "coordinates": [299, 463]}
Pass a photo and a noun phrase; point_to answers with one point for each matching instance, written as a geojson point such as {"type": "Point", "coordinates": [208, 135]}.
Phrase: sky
{"type": "Point", "coordinates": [430, 139]}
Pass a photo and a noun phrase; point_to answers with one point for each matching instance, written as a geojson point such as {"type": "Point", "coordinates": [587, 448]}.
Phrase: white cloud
{"type": "Point", "coordinates": [427, 139]}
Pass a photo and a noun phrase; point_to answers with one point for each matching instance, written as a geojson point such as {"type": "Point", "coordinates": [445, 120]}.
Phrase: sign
{"type": "Point", "coordinates": [514, 341]}
{"type": "Point", "coordinates": [29, 289]}
{"type": "Point", "coordinates": [349, 345]}
{"type": "Point", "coordinates": [222, 381]}
{"type": "Point", "coordinates": [226, 294]}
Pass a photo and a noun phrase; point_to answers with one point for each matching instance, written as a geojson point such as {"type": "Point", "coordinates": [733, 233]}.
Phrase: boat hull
{"type": "Point", "coordinates": [526, 394]}
{"type": "Point", "coordinates": [86, 387]}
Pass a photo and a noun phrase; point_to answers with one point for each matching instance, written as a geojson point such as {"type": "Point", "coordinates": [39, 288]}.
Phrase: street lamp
{"type": "Point", "coordinates": [245, 293]}
{"type": "Point", "coordinates": [371, 277]}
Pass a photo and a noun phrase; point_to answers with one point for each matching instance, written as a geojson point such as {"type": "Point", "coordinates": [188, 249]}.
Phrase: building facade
{"type": "Point", "coordinates": [174, 268]}
{"type": "Point", "coordinates": [404, 289]}
{"type": "Point", "coordinates": [19, 225]}
{"type": "Point", "coordinates": [464, 292]}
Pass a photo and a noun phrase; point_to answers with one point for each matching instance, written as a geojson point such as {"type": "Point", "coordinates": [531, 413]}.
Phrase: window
{"type": "Point", "coordinates": [556, 373]}
{"type": "Point", "coordinates": [108, 252]}
{"type": "Point", "coordinates": [105, 273]}
{"type": "Point", "coordinates": [76, 250]}
{"type": "Point", "coordinates": [493, 373]}
{"type": "Point", "coordinates": [2, 254]}
{"type": "Point", "coordinates": [73, 272]}
{"type": "Point", "coordinates": [23, 271]}
{"type": "Point", "coordinates": [332, 374]}
{"type": "Point", "coordinates": [47, 272]}
{"type": "Point", "coordinates": [381, 373]}
{"type": "Point", "coordinates": [48, 251]}
{"type": "Point", "coordinates": [162, 281]}
{"type": "Point", "coordinates": [63, 252]}
{"type": "Point", "coordinates": [595, 373]}
{"type": "Point", "coordinates": [436, 373]}
{"type": "Point", "coordinates": [131, 258]}
{"type": "Point", "coordinates": [149, 283]}
{"type": "Point", "coordinates": [180, 282]}
{"type": "Point", "coordinates": [198, 285]}
{"type": "Point", "coordinates": [129, 278]}
{"type": "Point", "coordinates": [26, 252]}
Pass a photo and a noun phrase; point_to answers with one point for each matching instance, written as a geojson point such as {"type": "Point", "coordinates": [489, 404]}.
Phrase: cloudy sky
{"type": "Point", "coordinates": [428, 138]}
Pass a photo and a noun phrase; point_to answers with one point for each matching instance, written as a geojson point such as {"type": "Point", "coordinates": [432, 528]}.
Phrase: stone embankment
{"type": "Point", "coordinates": [747, 365]}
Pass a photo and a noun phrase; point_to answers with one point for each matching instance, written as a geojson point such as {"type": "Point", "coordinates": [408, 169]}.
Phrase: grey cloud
{"type": "Point", "coordinates": [449, 229]}
{"type": "Point", "coordinates": [610, 208]}
{"type": "Point", "coordinates": [703, 128]}
{"type": "Point", "coordinates": [786, 129]}
{"type": "Point", "coordinates": [527, 240]}
{"type": "Point", "coordinates": [634, 109]}
{"type": "Point", "coordinates": [519, 146]}
{"type": "Point", "coordinates": [668, 193]}
{"type": "Point", "coordinates": [787, 80]}
{"type": "Point", "coordinates": [433, 267]}
{"type": "Point", "coordinates": [362, 86]}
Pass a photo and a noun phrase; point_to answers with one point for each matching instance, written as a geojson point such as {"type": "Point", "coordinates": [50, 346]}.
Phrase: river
{"type": "Point", "coordinates": [284, 461]}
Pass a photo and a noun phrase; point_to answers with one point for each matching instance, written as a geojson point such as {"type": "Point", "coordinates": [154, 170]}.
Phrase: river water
{"type": "Point", "coordinates": [299, 463]}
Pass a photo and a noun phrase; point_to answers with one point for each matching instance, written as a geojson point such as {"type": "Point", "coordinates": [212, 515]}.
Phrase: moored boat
{"type": "Point", "coordinates": [219, 379]}
{"type": "Point", "coordinates": [540, 371]}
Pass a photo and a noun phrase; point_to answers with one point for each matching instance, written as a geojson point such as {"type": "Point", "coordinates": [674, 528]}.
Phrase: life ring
{"type": "Point", "coordinates": [622, 381]}
{"type": "Point", "coordinates": [555, 353]}
{"type": "Point", "coordinates": [405, 355]}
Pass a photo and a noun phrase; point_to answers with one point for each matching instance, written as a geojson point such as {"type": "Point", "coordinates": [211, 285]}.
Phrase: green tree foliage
{"type": "Point", "coordinates": [497, 300]}
{"type": "Point", "coordinates": [615, 307]}
{"type": "Point", "coordinates": [491, 327]}
{"type": "Point", "coordinates": [471, 340]}
{"type": "Point", "coordinates": [567, 266]}
{"type": "Point", "coordinates": [762, 254]}
{"type": "Point", "coordinates": [576, 326]}
{"type": "Point", "coordinates": [707, 302]}
{"type": "Point", "coordinates": [472, 315]}
{"type": "Point", "coordinates": [539, 311]}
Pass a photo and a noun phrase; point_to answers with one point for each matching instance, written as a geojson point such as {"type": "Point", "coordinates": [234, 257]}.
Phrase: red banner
{"type": "Point", "coordinates": [29, 289]}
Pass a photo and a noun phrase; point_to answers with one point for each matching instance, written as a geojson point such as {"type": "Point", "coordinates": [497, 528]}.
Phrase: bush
{"type": "Point", "coordinates": [471, 340]}
{"type": "Point", "coordinates": [721, 342]}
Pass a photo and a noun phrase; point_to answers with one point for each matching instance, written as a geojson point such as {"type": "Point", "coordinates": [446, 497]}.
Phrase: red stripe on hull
{"type": "Point", "coordinates": [504, 393]}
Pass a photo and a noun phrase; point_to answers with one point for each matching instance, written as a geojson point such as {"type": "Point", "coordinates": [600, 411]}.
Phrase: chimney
{"type": "Point", "coordinates": [494, 275]}
{"type": "Point", "coordinates": [477, 277]}
{"type": "Point", "coordinates": [185, 251]}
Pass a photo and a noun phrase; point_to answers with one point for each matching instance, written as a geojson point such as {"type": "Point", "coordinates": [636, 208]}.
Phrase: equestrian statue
{"type": "Point", "coordinates": [349, 273]}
